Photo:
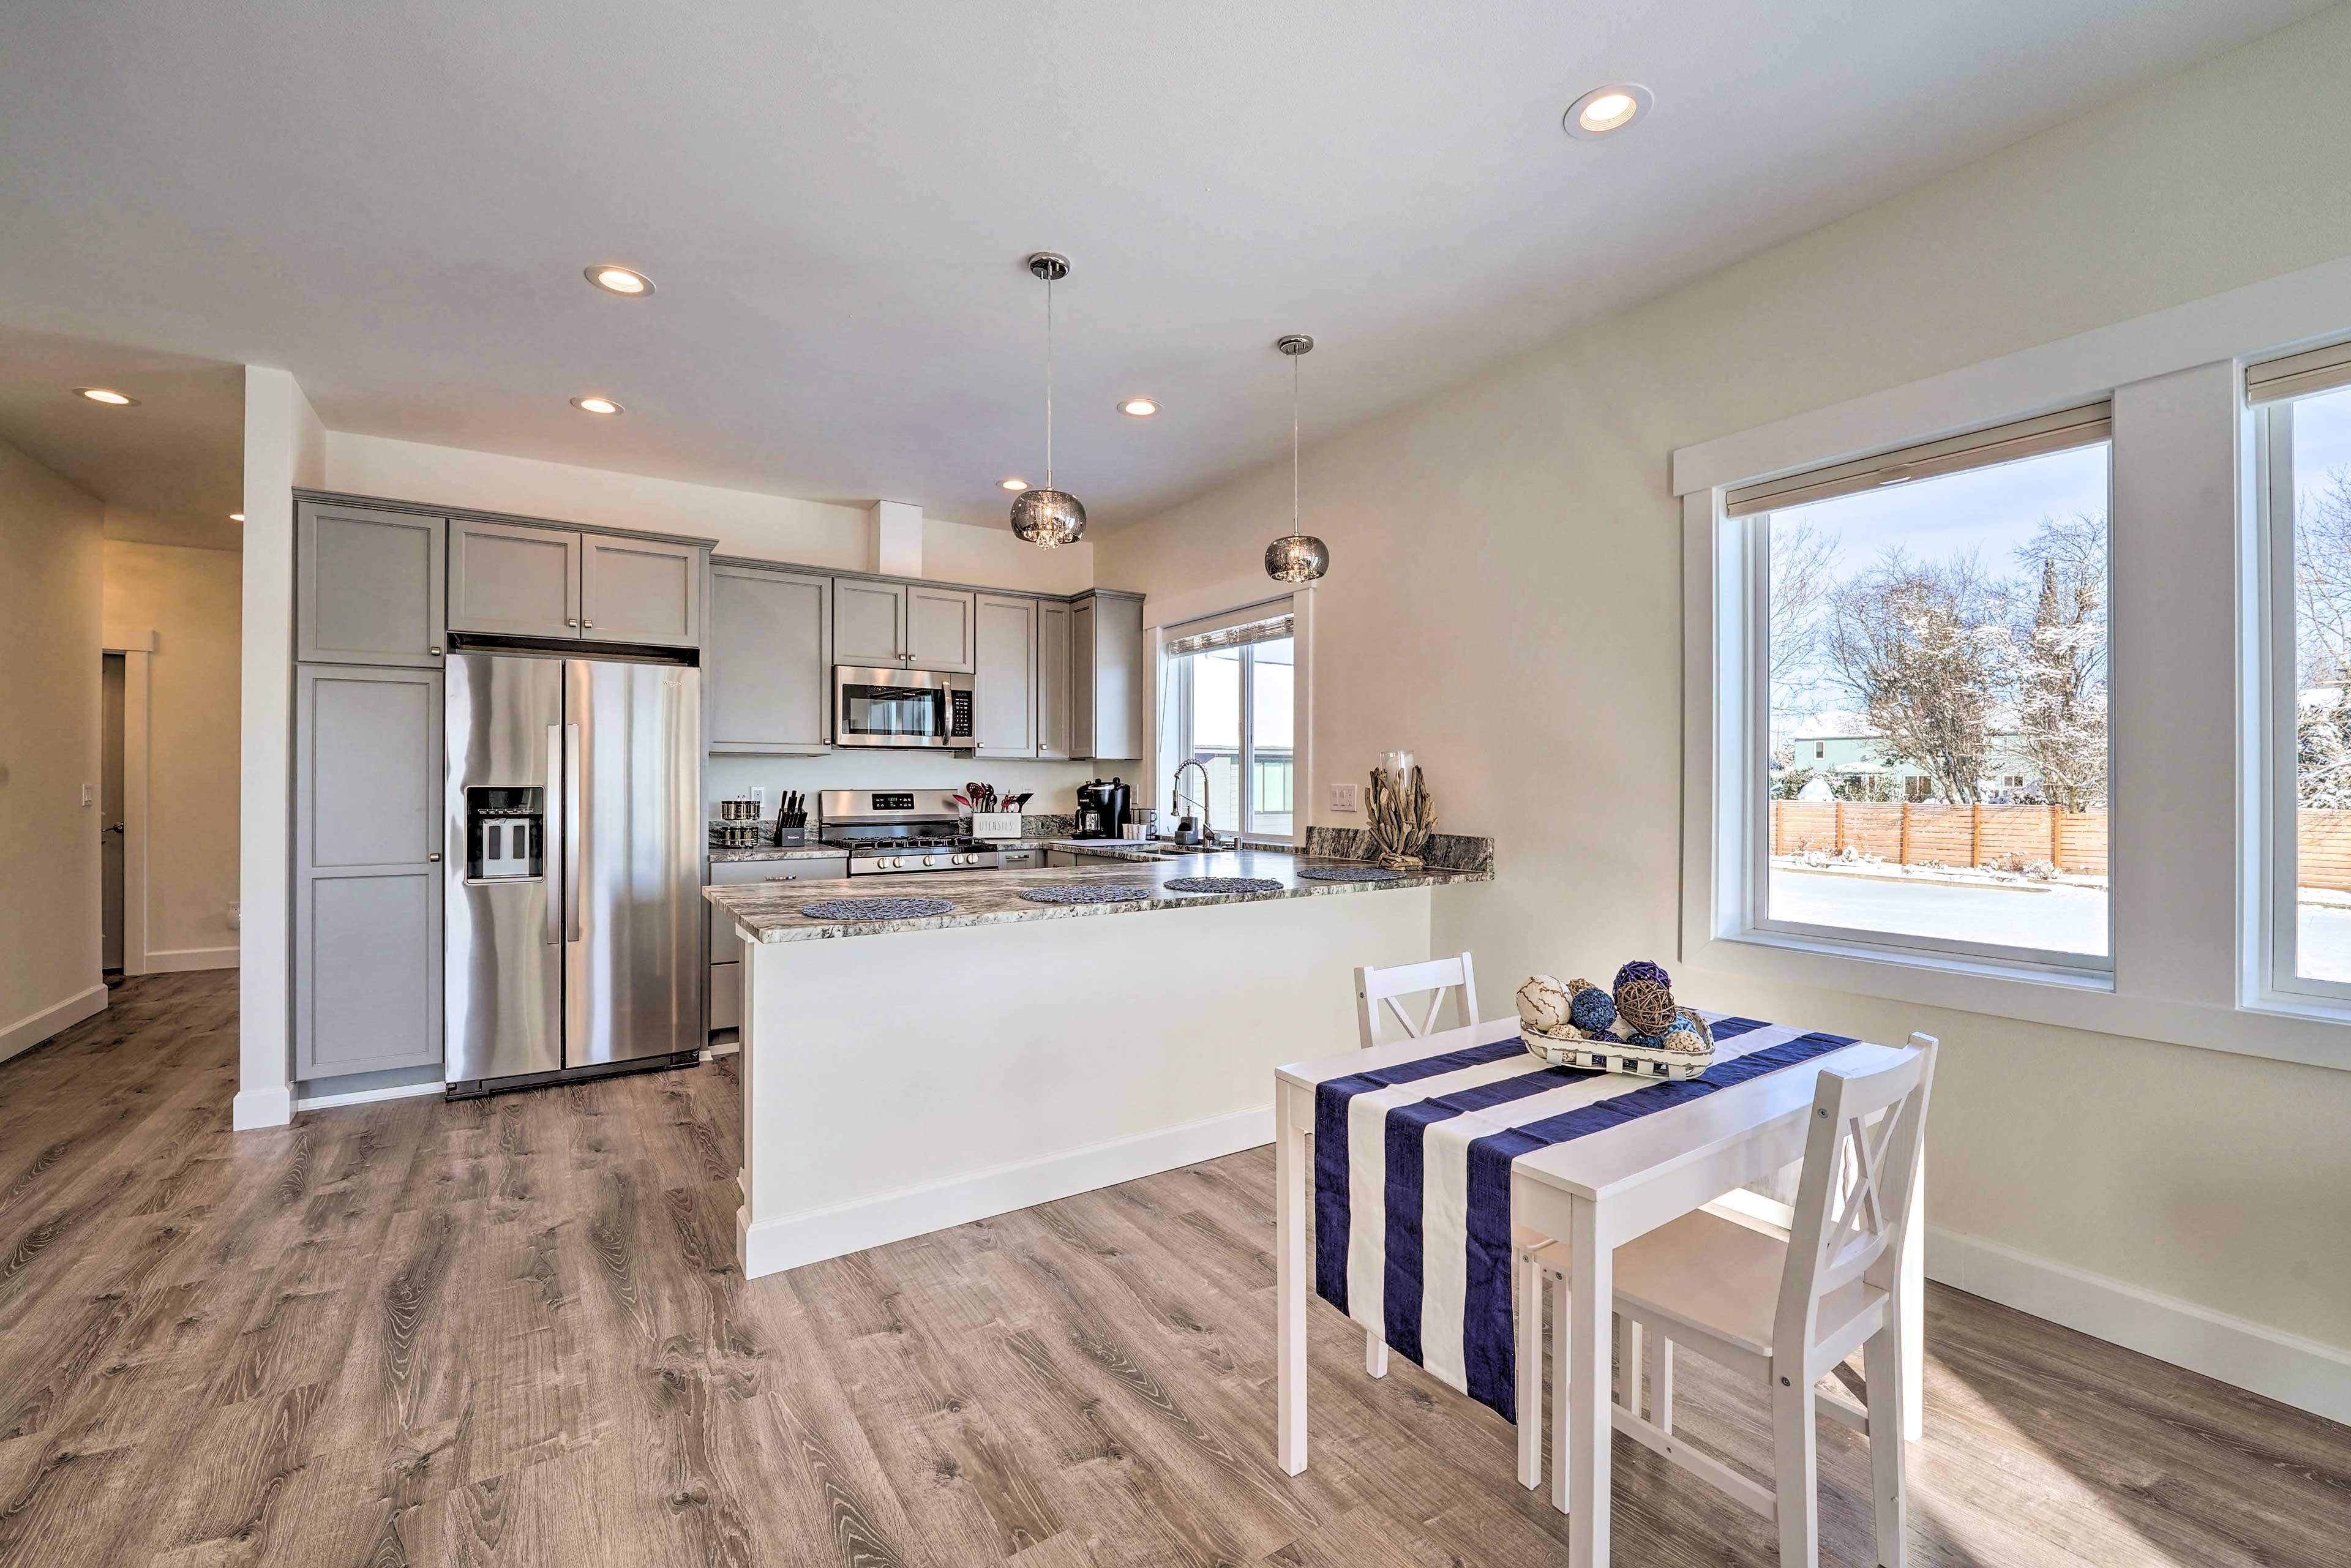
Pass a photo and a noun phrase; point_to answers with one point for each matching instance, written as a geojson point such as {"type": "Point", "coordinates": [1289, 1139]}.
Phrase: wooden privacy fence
{"type": "Point", "coordinates": [1906, 835]}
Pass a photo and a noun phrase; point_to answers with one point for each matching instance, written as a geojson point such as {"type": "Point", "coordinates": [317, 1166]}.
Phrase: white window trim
{"type": "Point", "coordinates": [2275, 685]}
{"type": "Point", "coordinates": [1162, 614]}
{"type": "Point", "coordinates": [1751, 899]}
{"type": "Point", "coordinates": [2186, 927]}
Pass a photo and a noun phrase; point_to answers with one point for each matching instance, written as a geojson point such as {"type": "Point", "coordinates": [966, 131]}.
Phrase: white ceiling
{"type": "Point", "coordinates": [394, 201]}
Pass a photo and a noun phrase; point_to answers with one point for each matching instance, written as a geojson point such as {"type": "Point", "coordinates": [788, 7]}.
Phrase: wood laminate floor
{"type": "Point", "coordinates": [509, 1332]}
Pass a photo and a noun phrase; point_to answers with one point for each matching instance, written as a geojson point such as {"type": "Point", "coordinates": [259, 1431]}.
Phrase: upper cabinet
{"type": "Point", "coordinates": [939, 628]}
{"type": "Point", "coordinates": [640, 590]}
{"type": "Point", "coordinates": [510, 578]}
{"type": "Point", "coordinates": [769, 664]}
{"type": "Point", "coordinates": [1106, 676]}
{"type": "Point", "coordinates": [910, 625]}
{"type": "Point", "coordinates": [527, 581]}
{"type": "Point", "coordinates": [369, 586]}
{"type": "Point", "coordinates": [1004, 686]}
{"type": "Point", "coordinates": [1054, 708]}
{"type": "Point", "coordinates": [869, 623]}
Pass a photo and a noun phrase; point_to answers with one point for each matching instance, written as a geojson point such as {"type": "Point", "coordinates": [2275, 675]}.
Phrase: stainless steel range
{"type": "Point", "coordinates": [890, 832]}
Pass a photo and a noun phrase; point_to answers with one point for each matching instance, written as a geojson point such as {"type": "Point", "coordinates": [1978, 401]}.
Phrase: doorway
{"type": "Point", "coordinates": [113, 685]}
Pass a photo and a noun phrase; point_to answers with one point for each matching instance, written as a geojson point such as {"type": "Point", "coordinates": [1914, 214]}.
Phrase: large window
{"type": "Point", "coordinates": [2304, 469]}
{"type": "Point", "coordinates": [1229, 703]}
{"type": "Point", "coordinates": [1930, 764]}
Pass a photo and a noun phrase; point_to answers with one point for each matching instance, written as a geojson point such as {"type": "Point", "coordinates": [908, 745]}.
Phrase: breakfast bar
{"type": "Point", "coordinates": [901, 1075]}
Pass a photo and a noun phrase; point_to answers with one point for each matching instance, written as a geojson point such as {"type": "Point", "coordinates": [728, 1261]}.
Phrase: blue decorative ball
{"type": "Point", "coordinates": [1593, 1010]}
{"type": "Point", "coordinates": [1642, 969]}
{"type": "Point", "coordinates": [1648, 1042]}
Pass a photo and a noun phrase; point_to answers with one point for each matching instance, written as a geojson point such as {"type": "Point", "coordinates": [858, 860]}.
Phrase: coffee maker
{"type": "Point", "coordinates": [1101, 809]}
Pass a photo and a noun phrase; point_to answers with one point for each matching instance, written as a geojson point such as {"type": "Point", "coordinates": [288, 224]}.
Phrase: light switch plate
{"type": "Point", "coordinates": [89, 794]}
{"type": "Point", "coordinates": [1343, 798]}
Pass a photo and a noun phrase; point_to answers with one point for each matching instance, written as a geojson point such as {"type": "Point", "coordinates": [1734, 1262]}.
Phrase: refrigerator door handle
{"type": "Point", "coordinates": [554, 874]}
{"type": "Point", "coordinates": [571, 832]}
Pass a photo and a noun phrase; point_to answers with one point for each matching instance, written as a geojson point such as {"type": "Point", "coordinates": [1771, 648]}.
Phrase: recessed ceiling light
{"type": "Point", "coordinates": [108, 396]}
{"type": "Point", "coordinates": [1140, 407]}
{"type": "Point", "coordinates": [1015, 483]}
{"type": "Point", "coordinates": [237, 517]}
{"type": "Point", "coordinates": [620, 280]}
{"type": "Point", "coordinates": [595, 405]}
{"type": "Point", "coordinates": [1608, 108]}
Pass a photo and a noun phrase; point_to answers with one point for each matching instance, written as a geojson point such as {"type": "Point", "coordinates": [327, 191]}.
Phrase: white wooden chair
{"type": "Point", "coordinates": [1377, 988]}
{"type": "Point", "coordinates": [1787, 1311]}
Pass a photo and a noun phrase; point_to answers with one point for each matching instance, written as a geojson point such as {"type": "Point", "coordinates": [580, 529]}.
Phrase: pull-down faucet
{"type": "Point", "coordinates": [1176, 796]}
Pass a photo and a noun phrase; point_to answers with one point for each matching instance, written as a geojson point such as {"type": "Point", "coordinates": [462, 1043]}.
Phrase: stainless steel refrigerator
{"type": "Point", "coordinates": [574, 899]}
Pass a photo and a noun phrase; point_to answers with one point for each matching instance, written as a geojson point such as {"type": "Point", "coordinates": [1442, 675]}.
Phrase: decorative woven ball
{"type": "Point", "coordinates": [1642, 969]}
{"type": "Point", "coordinates": [1647, 1042]}
{"type": "Point", "coordinates": [1591, 1011]}
{"type": "Point", "coordinates": [1691, 1021]}
{"type": "Point", "coordinates": [1543, 1003]}
{"type": "Point", "coordinates": [1644, 1005]}
{"type": "Point", "coordinates": [1580, 984]}
{"type": "Point", "coordinates": [1683, 1043]}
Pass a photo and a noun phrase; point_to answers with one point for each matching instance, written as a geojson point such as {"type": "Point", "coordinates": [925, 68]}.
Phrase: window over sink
{"type": "Point", "coordinates": [1229, 700]}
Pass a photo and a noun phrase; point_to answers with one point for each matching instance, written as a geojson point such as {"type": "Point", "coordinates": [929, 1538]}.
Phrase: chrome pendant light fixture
{"type": "Point", "coordinates": [1046, 518]}
{"type": "Point", "coordinates": [1295, 557]}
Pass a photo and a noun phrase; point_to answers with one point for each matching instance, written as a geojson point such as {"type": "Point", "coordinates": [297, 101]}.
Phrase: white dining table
{"type": "Point", "coordinates": [1590, 1194]}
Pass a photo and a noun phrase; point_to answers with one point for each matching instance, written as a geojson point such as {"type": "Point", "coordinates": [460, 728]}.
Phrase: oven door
{"type": "Point", "coordinates": [883, 707]}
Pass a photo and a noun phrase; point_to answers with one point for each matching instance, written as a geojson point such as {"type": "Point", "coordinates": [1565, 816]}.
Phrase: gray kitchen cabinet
{"type": "Point", "coordinates": [369, 583]}
{"type": "Point", "coordinates": [1021, 860]}
{"type": "Point", "coordinates": [367, 869]}
{"type": "Point", "coordinates": [1053, 674]}
{"type": "Point", "coordinates": [1004, 679]}
{"type": "Point", "coordinates": [1106, 679]}
{"type": "Point", "coordinates": [869, 623]}
{"type": "Point", "coordinates": [725, 1008]}
{"type": "Point", "coordinates": [521, 581]}
{"type": "Point", "coordinates": [640, 590]}
{"type": "Point", "coordinates": [941, 628]}
{"type": "Point", "coordinates": [525, 581]}
{"type": "Point", "coordinates": [768, 670]}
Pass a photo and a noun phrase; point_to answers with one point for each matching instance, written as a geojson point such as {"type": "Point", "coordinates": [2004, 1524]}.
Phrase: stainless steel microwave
{"type": "Point", "coordinates": [886, 707]}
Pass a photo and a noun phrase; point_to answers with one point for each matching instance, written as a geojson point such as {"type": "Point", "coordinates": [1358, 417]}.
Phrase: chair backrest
{"type": "Point", "coordinates": [1378, 988]}
{"type": "Point", "coordinates": [1861, 1158]}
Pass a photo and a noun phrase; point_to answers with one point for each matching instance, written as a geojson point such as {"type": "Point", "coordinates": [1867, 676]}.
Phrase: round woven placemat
{"type": "Point", "coordinates": [1221, 884]}
{"type": "Point", "coordinates": [1348, 874]}
{"type": "Point", "coordinates": [876, 908]}
{"type": "Point", "coordinates": [1086, 893]}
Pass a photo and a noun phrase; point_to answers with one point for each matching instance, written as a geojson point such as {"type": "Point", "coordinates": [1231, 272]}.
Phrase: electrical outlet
{"type": "Point", "coordinates": [1343, 798]}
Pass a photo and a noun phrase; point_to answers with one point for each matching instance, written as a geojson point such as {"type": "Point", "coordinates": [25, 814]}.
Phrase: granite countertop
{"type": "Point", "coordinates": [776, 852]}
{"type": "Point", "coordinates": [771, 911]}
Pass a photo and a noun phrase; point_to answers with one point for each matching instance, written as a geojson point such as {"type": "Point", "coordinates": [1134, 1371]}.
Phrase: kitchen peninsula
{"type": "Point", "coordinates": [900, 1076]}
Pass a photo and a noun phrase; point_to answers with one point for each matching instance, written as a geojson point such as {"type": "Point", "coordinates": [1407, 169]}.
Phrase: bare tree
{"type": "Point", "coordinates": [2322, 582]}
{"type": "Point", "coordinates": [1924, 648]}
{"type": "Point", "coordinates": [1804, 563]}
{"type": "Point", "coordinates": [2061, 678]}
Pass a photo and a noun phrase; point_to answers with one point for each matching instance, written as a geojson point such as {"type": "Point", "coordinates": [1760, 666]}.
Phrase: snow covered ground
{"type": "Point", "coordinates": [2056, 918]}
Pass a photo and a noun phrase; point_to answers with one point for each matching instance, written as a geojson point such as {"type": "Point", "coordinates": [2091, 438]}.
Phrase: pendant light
{"type": "Point", "coordinates": [1295, 557]}
{"type": "Point", "coordinates": [1046, 518]}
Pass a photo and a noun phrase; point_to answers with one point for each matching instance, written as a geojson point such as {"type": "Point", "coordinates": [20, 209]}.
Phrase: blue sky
{"type": "Point", "coordinates": [1990, 510]}
{"type": "Point", "coordinates": [2322, 438]}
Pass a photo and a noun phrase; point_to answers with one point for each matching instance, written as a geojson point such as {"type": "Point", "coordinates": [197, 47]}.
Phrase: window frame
{"type": "Point", "coordinates": [1172, 732]}
{"type": "Point", "coordinates": [2278, 686]}
{"type": "Point", "coordinates": [1746, 540]}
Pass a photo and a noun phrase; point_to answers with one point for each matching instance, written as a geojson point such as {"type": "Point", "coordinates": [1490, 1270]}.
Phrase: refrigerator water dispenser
{"type": "Point", "coordinates": [505, 833]}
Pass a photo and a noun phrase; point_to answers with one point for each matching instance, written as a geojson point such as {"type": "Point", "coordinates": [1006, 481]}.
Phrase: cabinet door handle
{"type": "Point", "coordinates": [435, 855]}
{"type": "Point", "coordinates": [589, 624]}
{"type": "Point", "coordinates": [571, 622]}
{"type": "Point", "coordinates": [435, 651]}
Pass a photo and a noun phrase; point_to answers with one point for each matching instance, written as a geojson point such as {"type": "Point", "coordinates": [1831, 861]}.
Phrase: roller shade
{"type": "Point", "coordinates": [2083, 426]}
{"type": "Point", "coordinates": [1225, 631]}
{"type": "Point", "coordinates": [2298, 375]}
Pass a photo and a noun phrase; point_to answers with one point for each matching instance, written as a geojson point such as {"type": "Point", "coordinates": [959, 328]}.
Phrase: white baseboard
{"type": "Point", "coordinates": [2294, 1371]}
{"type": "Point", "coordinates": [178, 960]}
{"type": "Point", "coordinates": [368, 1096]}
{"type": "Point", "coordinates": [269, 1107]}
{"type": "Point", "coordinates": [50, 1021]}
{"type": "Point", "coordinates": [792, 1240]}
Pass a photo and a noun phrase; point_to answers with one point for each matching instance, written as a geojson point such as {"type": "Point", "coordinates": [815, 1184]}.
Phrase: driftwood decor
{"type": "Point", "coordinates": [1403, 816]}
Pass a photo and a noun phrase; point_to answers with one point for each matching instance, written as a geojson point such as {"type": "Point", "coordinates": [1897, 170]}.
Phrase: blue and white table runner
{"type": "Point", "coordinates": [1412, 1183]}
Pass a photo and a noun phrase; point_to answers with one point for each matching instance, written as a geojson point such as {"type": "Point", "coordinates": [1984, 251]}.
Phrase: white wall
{"type": "Point", "coordinates": [1504, 596]}
{"type": "Point", "coordinates": [49, 649]}
{"type": "Point", "coordinates": [763, 528]}
{"type": "Point", "coordinates": [284, 447]}
{"type": "Point", "coordinates": [190, 599]}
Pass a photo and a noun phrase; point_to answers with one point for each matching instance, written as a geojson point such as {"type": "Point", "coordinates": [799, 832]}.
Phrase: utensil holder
{"type": "Point", "coordinates": [996, 825]}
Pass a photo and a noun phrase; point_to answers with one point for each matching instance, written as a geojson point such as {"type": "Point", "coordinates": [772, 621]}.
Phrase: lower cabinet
{"type": "Point", "coordinates": [726, 1009]}
{"type": "Point", "coordinates": [367, 869]}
